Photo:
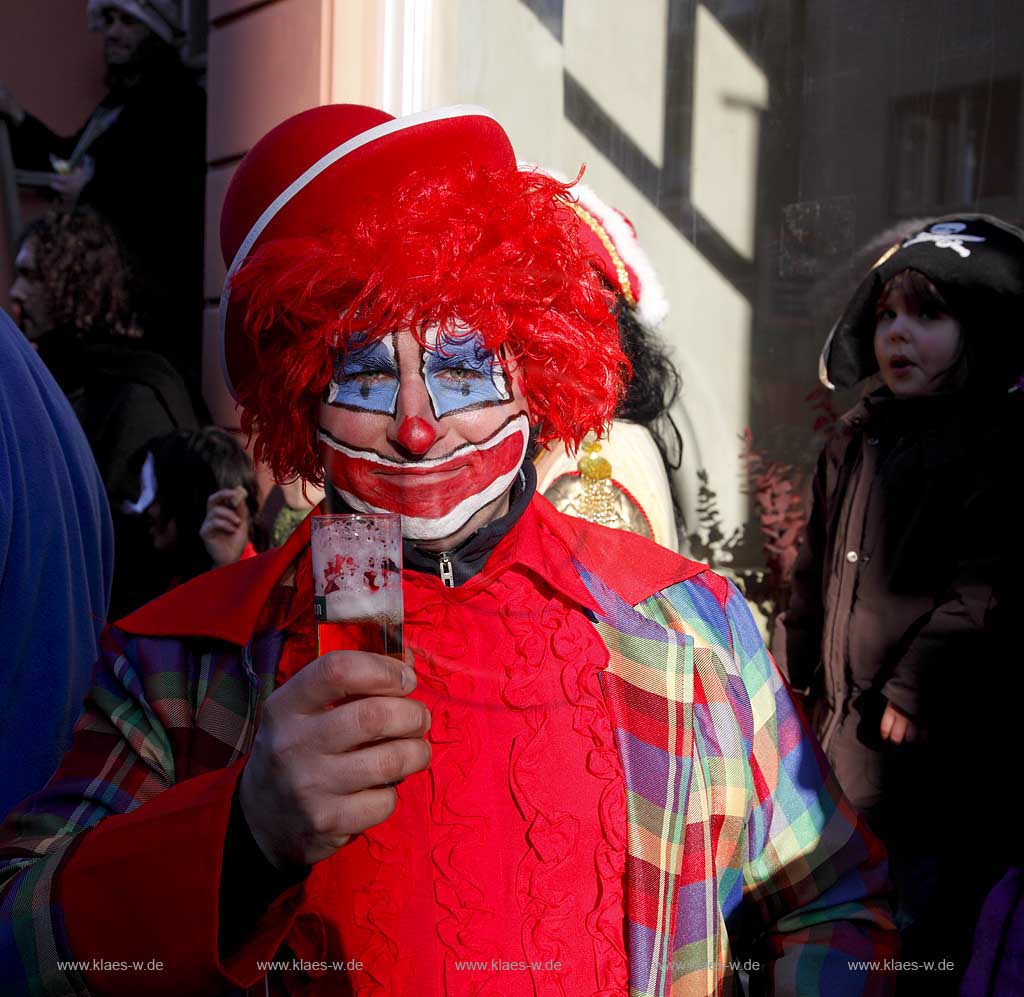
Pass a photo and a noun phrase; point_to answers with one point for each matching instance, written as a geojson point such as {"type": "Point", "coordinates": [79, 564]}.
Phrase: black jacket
{"type": "Point", "coordinates": [124, 394]}
{"type": "Point", "coordinates": [149, 182]}
{"type": "Point", "coordinates": [915, 519]}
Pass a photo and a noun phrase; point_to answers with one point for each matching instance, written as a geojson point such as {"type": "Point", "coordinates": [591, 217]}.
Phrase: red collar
{"type": "Point", "coordinates": [630, 565]}
{"type": "Point", "coordinates": [226, 604]}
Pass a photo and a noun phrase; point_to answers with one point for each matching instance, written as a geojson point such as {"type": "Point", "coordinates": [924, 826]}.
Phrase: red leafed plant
{"type": "Point", "coordinates": [778, 496]}
{"type": "Point", "coordinates": [826, 418]}
{"type": "Point", "coordinates": [777, 490]}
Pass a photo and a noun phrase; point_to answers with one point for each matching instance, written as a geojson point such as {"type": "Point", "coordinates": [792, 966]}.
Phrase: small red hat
{"type": "Point", "coordinates": [608, 235]}
{"type": "Point", "coordinates": [315, 172]}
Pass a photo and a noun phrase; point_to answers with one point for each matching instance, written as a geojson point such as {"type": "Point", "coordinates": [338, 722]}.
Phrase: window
{"type": "Point", "coordinates": [954, 148]}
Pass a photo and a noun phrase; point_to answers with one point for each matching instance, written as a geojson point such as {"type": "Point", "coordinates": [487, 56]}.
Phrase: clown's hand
{"type": "Point", "coordinates": [333, 742]}
{"type": "Point", "coordinates": [225, 530]}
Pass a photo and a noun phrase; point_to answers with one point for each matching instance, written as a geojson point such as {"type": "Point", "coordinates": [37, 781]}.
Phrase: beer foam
{"type": "Point", "coordinates": [361, 604]}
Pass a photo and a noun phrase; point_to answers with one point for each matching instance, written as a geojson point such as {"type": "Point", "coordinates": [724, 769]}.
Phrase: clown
{"type": "Point", "coordinates": [432, 352]}
{"type": "Point", "coordinates": [588, 778]}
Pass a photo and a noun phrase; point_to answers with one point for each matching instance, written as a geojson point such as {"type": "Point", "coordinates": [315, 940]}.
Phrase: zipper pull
{"type": "Point", "coordinates": [447, 573]}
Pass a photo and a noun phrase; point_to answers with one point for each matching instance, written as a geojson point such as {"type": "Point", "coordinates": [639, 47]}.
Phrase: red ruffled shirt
{"type": "Point", "coordinates": [501, 870]}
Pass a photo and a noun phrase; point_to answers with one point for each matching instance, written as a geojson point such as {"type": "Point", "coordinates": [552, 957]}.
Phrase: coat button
{"type": "Point", "coordinates": [851, 556]}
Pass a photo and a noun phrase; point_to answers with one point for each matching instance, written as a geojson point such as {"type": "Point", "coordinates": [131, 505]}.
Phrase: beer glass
{"type": "Point", "coordinates": [357, 582]}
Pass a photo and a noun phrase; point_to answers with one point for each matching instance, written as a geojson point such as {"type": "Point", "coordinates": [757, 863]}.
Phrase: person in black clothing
{"type": "Point", "coordinates": [902, 630]}
{"type": "Point", "coordinates": [140, 160]}
{"type": "Point", "coordinates": [199, 496]}
{"type": "Point", "coordinates": [73, 300]}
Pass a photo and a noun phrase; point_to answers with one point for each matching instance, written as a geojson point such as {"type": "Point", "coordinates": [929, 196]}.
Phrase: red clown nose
{"type": "Point", "coordinates": [416, 435]}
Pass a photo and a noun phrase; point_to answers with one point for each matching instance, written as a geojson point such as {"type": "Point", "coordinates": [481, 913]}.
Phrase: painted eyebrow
{"type": "Point", "coordinates": [373, 356]}
{"type": "Point", "coordinates": [484, 363]}
{"type": "Point", "coordinates": [356, 364]}
{"type": "Point", "coordinates": [465, 349]}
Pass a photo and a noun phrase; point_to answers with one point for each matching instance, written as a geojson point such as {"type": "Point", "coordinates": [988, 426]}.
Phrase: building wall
{"type": "Point", "coordinates": [269, 60]}
{"type": "Point", "coordinates": [749, 141]}
{"type": "Point", "coordinates": [55, 67]}
{"type": "Point", "coordinates": [864, 56]}
{"type": "Point", "coordinates": [858, 61]}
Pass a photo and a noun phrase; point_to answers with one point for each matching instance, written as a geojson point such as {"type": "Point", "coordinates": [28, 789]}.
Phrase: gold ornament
{"type": "Point", "coordinates": [591, 494]}
{"type": "Point", "coordinates": [598, 501]}
{"type": "Point", "coordinates": [591, 465]}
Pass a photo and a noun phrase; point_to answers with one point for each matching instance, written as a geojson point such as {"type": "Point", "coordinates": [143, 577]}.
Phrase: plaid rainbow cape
{"type": "Point", "coordinates": [743, 857]}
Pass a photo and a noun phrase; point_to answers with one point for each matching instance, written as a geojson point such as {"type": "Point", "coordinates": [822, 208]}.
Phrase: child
{"type": "Point", "coordinates": [908, 534]}
{"type": "Point", "coordinates": [199, 500]}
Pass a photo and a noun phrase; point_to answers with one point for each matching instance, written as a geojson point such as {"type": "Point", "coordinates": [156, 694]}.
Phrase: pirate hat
{"type": "Point", "coordinates": [966, 254]}
{"type": "Point", "coordinates": [316, 172]}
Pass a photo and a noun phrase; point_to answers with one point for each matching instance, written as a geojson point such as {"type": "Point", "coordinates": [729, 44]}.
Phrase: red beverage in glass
{"type": "Point", "coordinates": [357, 583]}
{"type": "Point", "coordinates": [378, 634]}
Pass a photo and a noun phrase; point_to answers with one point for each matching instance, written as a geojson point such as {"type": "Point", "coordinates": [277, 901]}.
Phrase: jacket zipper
{"type": "Point", "coordinates": [444, 565]}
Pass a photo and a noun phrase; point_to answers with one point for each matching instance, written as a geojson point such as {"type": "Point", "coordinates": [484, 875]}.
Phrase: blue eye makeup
{"type": "Point", "coordinates": [460, 373]}
{"type": "Point", "coordinates": [366, 379]}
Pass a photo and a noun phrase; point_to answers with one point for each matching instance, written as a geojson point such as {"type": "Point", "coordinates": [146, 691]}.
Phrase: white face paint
{"type": "Point", "coordinates": [437, 434]}
{"type": "Point", "coordinates": [423, 492]}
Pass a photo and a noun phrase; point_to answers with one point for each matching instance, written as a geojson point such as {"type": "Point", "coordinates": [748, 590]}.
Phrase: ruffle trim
{"type": "Point", "coordinates": [541, 638]}
{"type": "Point", "coordinates": [546, 636]}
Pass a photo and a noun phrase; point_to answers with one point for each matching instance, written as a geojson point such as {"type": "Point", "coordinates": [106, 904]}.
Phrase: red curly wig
{"type": "Point", "coordinates": [493, 250]}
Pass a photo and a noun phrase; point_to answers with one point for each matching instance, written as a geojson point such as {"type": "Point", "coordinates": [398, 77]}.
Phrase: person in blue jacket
{"type": "Point", "coordinates": [56, 566]}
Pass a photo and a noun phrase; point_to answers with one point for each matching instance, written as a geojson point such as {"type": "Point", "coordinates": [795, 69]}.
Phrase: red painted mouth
{"type": "Point", "coordinates": [423, 492]}
{"type": "Point", "coordinates": [412, 474]}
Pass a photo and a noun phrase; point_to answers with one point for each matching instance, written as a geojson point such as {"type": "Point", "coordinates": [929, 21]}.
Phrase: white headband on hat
{"type": "Point", "coordinates": [162, 17]}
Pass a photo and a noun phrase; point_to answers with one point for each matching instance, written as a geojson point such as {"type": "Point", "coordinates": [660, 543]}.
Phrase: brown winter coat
{"type": "Point", "coordinates": [914, 518]}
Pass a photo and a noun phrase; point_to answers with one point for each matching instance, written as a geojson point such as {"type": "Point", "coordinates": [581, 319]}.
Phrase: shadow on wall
{"type": "Point", "coordinates": [36, 36]}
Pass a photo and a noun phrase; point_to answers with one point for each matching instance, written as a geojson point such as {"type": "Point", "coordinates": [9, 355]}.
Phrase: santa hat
{"type": "Point", "coordinates": [314, 174]}
{"type": "Point", "coordinates": [162, 17]}
{"type": "Point", "coordinates": [610, 238]}
{"type": "Point", "coordinates": [977, 258]}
